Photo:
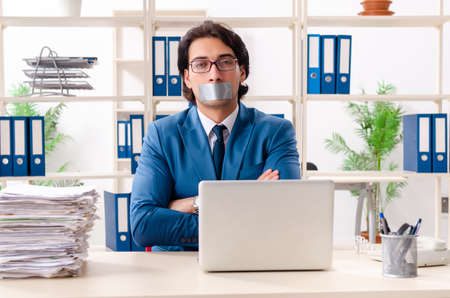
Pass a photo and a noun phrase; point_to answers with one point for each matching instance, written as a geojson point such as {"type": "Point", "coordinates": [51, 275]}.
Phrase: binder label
{"type": "Point", "coordinates": [37, 137]}
{"type": "Point", "coordinates": [173, 70]}
{"type": "Point", "coordinates": [161, 60]}
{"type": "Point", "coordinates": [328, 56]}
{"type": "Point", "coordinates": [137, 135]}
{"type": "Point", "coordinates": [122, 215]}
{"type": "Point", "coordinates": [5, 145]}
{"type": "Point", "coordinates": [424, 134]}
{"type": "Point", "coordinates": [314, 51]}
{"type": "Point", "coordinates": [344, 64]}
{"type": "Point", "coordinates": [19, 137]}
{"type": "Point", "coordinates": [440, 135]}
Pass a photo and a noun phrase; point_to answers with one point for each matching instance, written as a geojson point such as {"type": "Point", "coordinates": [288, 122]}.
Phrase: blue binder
{"type": "Point", "coordinates": [128, 140]}
{"type": "Point", "coordinates": [343, 63]}
{"type": "Point", "coordinates": [174, 79]}
{"type": "Point", "coordinates": [160, 116]}
{"type": "Point", "coordinates": [37, 145]}
{"type": "Point", "coordinates": [122, 137]}
{"type": "Point", "coordinates": [159, 66]}
{"type": "Point", "coordinates": [327, 64]}
{"type": "Point", "coordinates": [117, 227]}
{"type": "Point", "coordinates": [6, 162]}
{"type": "Point", "coordinates": [417, 146]}
{"type": "Point", "coordinates": [137, 135]}
{"type": "Point", "coordinates": [20, 146]}
{"type": "Point", "coordinates": [439, 143]}
{"type": "Point", "coordinates": [313, 64]}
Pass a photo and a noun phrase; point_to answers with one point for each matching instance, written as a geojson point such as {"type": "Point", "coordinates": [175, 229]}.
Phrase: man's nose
{"type": "Point", "coordinates": [214, 74]}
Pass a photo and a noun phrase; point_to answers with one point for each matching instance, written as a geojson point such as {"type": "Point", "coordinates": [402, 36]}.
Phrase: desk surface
{"type": "Point", "coordinates": [175, 274]}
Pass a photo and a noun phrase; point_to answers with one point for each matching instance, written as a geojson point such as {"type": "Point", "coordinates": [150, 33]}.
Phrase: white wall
{"type": "Point", "coordinates": [404, 57]}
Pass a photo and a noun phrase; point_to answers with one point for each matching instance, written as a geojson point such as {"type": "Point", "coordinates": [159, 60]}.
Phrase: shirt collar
{"type": "Point", "coordinates": [209, 124]}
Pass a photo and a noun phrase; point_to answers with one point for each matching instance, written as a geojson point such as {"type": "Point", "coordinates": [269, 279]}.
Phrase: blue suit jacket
{"type": "Point", "coordinates": [176, 156]}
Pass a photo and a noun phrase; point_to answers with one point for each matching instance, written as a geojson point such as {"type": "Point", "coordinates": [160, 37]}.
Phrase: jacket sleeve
{"type": "Point", "coordinates": [152, 223]}
{"type": "Point", "coordinates": [283, 154]}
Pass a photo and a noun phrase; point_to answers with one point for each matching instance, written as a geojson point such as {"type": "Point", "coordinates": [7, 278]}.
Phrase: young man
{"type": "Point", "coordinates": [216, 138]}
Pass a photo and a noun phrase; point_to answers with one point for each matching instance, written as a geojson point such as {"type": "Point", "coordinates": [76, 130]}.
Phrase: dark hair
{"type": "Point", "coordinates": [227, 36]}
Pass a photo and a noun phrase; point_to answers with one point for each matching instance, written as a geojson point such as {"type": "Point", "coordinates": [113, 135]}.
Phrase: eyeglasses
{"type": "Point", "coordinates": [222, 64]}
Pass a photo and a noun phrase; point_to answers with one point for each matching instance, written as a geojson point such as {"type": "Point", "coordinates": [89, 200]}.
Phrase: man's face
{"type": "Point", "coordinates": [211, 48]}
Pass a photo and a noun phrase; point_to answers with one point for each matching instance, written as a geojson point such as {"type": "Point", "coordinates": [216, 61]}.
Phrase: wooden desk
{"type": "Point", "coordinates": [177, 274]}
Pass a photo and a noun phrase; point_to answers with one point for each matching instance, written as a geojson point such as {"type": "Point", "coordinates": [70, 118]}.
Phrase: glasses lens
{"type": "Point", "coordinates": [226, 63]}
{"type": "Point", "coordinates": [200, 65]}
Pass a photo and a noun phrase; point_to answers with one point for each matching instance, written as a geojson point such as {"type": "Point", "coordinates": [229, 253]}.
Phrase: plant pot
{"type": "Point", "coordinates": [376, 13]}
{"type": "Point", "coordinates": [376, 5]}
{"type": "Point", "coordinates": [366, 236]}
{"type": "Point", "coordinates": [70, 8]}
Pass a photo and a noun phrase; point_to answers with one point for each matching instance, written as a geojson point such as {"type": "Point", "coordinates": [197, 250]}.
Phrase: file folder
{"type": "Point", "coordinates": [439, 147]}
{"type": "Point", "coordinates": [118, 236]}
{"type": "Point", "coordinates": [6, 162]}
{"type": "Point", "coordinates": [128, 140]}
{"type": "Point", "coordinates": [137, 135]}
{"type": "Point", "coordinates": [160, 116]}
{"type": "Point", "coordinates": [122, 146]}
{"type": "Point", "coordinates": [343, 63]}
{"type": "Point", "coordinates": [37, 145]}
{"type": "Point", "coordinates": [159, 66]}
{"type": "Point", "coordinates": [327, 64]}
{"type": "Point", "coordinates": [174, 79]}
{"type": "Point", "coordinates": [20, 146]}
{"type": "Point", "coordinates": [417, 143]}
{"type": "Point", "coordinates": [313, 64]}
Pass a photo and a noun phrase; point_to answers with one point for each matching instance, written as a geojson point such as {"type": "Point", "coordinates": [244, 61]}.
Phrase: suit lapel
{"type": "Point", "coordinates": [197, 145]}
{"type": "Point", "coordinates": [237, 143]}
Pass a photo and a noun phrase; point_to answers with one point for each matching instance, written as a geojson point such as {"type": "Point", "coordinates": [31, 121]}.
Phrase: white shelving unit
{"type": "Point", "coordinates": [150, 21]}
{"type": "Point", "coordinates": [435, 21]}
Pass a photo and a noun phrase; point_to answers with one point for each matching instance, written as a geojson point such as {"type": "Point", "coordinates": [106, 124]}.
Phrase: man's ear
{"type": "Point", "coordinates": [243, 74]}
{"type": "Point", "coordinates": [186, 79]}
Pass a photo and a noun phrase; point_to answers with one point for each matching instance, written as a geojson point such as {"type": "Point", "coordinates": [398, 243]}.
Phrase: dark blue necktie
{"type": "Point", "coordinates": [219, 150]}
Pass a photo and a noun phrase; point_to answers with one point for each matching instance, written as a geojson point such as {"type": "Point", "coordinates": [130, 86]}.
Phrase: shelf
{"type": "Point", "coordinates": [349, 97]}
{"type": "Point", "coordinates": [123, 160]}
{"type": "Point", "coordinates": [240, 22]}
{"type": "Point", "coordinates": [377, 21]}
{"type": "Point", "coordinates": [72, 99]}
{"type": "Point", "coordinates": [245, 98]}
{"type": "Point", "coordinates": [130, 111]}
{"type": "Point", "coordinates": [119, 21]}
{"type": "Point", "coordinates": [73, 175]}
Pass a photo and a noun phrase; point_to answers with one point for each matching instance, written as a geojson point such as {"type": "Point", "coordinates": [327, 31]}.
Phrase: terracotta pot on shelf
{"type": "Point", "coordinates": [366, 236]}
{"type": "Point", "coordinates": [376, 8]}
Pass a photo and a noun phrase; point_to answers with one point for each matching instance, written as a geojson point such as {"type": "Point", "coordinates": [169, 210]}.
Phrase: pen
{"type": "Point", "coordinates": [384, 224]}
{"type": "Point", "coordinates": [416, 228]}
{"type": "Point", "coordinates": [402, 229]}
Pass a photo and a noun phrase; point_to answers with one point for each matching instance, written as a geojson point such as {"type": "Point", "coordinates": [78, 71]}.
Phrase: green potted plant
{"type": "Point", "coordinates": [379, 126]}
{"type": "Point", "coordinates": [52, 136]}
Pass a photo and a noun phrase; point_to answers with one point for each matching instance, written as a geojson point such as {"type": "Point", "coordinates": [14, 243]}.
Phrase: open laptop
{"type": "Point", "coordinates": [265, 225]}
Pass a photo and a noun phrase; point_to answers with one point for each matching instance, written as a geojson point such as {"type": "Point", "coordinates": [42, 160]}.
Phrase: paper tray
{"type": "Point", "coordinates": [53, 74]}
{"type": "Point", "coordinates": [56, 84]}
{"type": "Point", "coordinates": [62, 62]}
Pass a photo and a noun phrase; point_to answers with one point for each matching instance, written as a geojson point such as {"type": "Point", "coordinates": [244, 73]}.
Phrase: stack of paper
{"type": "Point", "coordinates": [44, 230]}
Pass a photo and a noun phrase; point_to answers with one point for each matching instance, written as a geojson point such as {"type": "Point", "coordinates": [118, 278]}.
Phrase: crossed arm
{"type": "Point", "coordinates": [187, 205]}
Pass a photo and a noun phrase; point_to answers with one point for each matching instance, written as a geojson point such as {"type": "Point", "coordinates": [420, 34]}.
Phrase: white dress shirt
{"type": "Point", "coordinates": [209, 124]}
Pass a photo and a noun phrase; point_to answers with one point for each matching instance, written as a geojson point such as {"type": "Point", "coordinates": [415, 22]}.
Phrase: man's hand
{"type": "Point", "coordinates": [269, 175]}
{"type": "Point", "coordinates": [183, 205]}
{"type": "Point", "coordinates": [187, 205]}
